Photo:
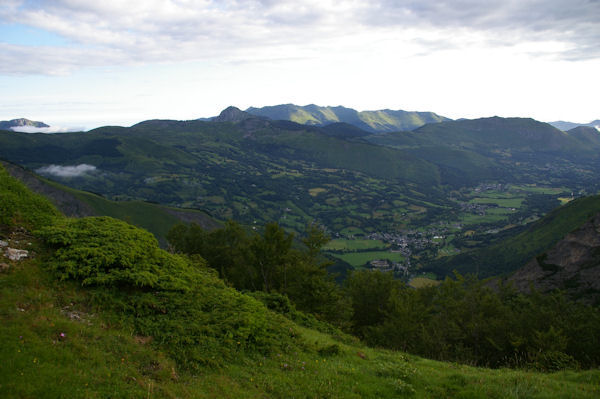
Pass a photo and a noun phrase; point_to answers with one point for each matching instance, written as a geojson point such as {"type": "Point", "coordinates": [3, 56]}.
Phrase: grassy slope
{"type": "Point", "coordinates": [153, 217]}
{"type": "Point", "coordinates": [157, 219]}
{"type": "Point", "coordinates": [97, 359]}
{"type": "Point", "coordinates": [514, 252]}
{"type": "Point", "coordinates": [55, 345]}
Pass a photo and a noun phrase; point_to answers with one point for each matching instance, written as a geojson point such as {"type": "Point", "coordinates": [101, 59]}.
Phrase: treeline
{"type": "Point", "coordinates": [463, 319]}
{"type": "Point", "coordinates": [269, 262]}
{"type": "Point", "coordinates": [466, 320]}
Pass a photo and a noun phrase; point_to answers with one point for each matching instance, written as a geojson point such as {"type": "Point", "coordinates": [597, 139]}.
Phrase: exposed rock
{"type": "Point", "coordinates": [573, 265]}
{"type": "Point", "coordinates": [143, 340]}
{"type": "Point", "coordinates": [5, 125]}
{"type": "Point", "coordinates": [16, 254]}
{"type": "Point", "coordinates": [232, 114]}
{"type": "Point", "coordinates": [3, 243]}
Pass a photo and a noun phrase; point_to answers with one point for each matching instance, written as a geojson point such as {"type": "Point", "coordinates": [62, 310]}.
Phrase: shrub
{"type": "Point", "coordinates": [183, 306]}
{"type": "Point", "coordinates": [107, 251]}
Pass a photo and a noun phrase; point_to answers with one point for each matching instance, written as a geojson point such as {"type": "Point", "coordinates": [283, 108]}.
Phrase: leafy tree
{"type": "Point", "coordinates": [369, 293]}
{"type": "Point", "coordinates": [269, 262]}
{"type": "Point", "coordinates": [271, 256]}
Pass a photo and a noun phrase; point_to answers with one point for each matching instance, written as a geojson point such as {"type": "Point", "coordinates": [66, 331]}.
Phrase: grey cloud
{"type": "Point", "coordinates": [67, 171]}
{"type": "Point", "coordinates": [574, 22]}
{"type": "Point", "coordinates": [141, 31]}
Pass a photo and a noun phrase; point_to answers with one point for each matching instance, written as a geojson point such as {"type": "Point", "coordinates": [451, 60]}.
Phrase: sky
{"type": "Point", "coordinates": [79, 64]}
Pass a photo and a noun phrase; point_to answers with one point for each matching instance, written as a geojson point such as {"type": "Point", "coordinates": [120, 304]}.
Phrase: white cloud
{"type": "Point", "coordinates": [51, 129]}
{"type": "Point", "coordinates": [126, 61]}
{"type": "Point", "coordinates": [112, 32]}
{"type": "Point", "coordinates": [67, 171]}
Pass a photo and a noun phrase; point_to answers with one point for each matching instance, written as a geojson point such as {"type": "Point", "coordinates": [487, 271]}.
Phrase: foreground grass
{"type": "Point", "coordinates": [53, 347]}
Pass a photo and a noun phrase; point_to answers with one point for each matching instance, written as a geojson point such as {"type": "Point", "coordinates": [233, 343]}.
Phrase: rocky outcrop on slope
{"type": "Point", "coordinates": [572, 265]}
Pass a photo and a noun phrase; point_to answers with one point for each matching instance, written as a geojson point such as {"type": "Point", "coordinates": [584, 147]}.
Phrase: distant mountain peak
{"type": "Point", "coordinates": [6, 125]}
{"type": "Point", "coordinates": [232, 114]}
{"type": "Point", "coordinates": [370, 121]}
{"type": "Point", "coordinates": [565, 126]}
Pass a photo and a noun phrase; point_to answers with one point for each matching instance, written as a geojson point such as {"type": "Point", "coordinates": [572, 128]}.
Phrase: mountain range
{"type": "Point", "coordinates": [378, 121]}
{"type": "Point", "coordinates": [371, 121]}
{"type": "Point", "coordinates": [562, 125]}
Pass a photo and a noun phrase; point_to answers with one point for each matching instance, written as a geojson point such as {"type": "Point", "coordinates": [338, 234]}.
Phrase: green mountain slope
{"type": "Point", "coordinates": [372, 121]}
{"type": "Point", "coordinates": [585, 136]}
{"type": "Point", "coordinates": [502, 149]}
{"type": "Point", "coordinates": [257, 170]}
{"type": "Point", "coordinates": [249, 170]}
{"type": "Point", "coordinates": [512, 253]}
{"type": "Point", "coordinates": [101, 311]}
{"type": "Point", "coordinates": [156, 218]}
{"type": "Point", "coordinates": [494, 135]}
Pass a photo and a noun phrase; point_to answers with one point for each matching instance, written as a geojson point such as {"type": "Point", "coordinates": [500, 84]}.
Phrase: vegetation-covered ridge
{"type": "Point", "coordinates": [99, 310]}
{"type": "Point", "coordinates": [509, 254]}
{"type": "Point", "coordinates": [372, 121]}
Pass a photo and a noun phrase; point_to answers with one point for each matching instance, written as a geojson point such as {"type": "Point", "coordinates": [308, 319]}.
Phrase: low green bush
{"type": "Point", "coordinates": [182, 305]}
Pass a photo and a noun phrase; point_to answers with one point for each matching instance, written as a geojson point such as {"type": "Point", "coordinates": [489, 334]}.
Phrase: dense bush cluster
{"type": "Point", "coordinates": [107, 251]}
{"type": "Point", "coordinates": [182, 305]}
{"type": "Point", "coordinates": [466, 320]}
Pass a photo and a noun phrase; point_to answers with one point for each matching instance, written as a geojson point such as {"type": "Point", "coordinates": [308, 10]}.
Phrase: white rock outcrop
{"type": "Point", "coordinates": [16, 254]}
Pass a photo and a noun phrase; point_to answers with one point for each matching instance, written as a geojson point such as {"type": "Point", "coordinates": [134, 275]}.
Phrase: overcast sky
{"type": "Point", "coordinates": [90, 63]}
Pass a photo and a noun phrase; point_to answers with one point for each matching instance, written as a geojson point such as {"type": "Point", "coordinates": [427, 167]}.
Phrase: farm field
{"type": "Point", "coordinates": [354, 245]}
{"type": "Point", "coordinates": [358, 259]}
{"type": "Point", "coordinates": [422, 282]}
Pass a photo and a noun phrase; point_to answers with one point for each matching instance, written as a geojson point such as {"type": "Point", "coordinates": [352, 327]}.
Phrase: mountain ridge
{"type": "Point", "coordinates": [565, 125]}
{"type": "Point", "coordinates": [378, 121]}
